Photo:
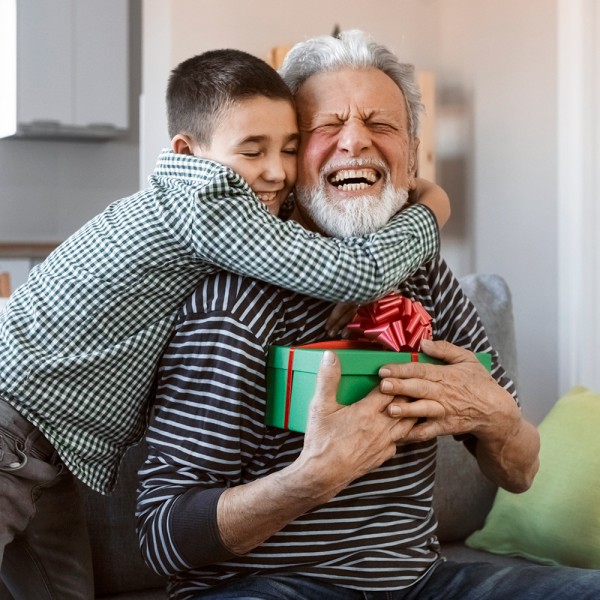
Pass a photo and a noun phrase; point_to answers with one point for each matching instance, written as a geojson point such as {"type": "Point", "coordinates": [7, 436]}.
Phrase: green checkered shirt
{"type": "Point", "coordinates": [79, 342]}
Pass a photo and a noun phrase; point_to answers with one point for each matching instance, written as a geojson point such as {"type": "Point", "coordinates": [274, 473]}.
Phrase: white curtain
{"type": "Point", "coordinates": [579, 193]}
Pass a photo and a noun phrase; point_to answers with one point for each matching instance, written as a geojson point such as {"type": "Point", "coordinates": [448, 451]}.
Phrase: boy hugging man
{"type": "Point", "coordinates": [80, 340]}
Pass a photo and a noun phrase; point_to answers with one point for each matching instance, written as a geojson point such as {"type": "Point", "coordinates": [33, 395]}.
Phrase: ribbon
{"type": "Point", "coordinates": [332, 345]}
{"type": "Point", "coordinates": [394, 321]}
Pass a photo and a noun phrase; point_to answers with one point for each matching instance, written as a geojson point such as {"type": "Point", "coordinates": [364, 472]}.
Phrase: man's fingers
{"type": "Point", "coordinates": [419, 409]}
{"type": "Point", "coordinates": [340, 316]}
{"type": "Point", "coordinates": [418, 387]}
{"type": "Point", "coordinates": [400, 428]}
{"type": "Point", "coordinates": [422, 431]}
{"type": "Point", "coordinates": [446, 352]}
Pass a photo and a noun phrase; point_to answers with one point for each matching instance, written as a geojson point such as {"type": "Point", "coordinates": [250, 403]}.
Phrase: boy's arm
{"type": "Point", "coordinates": [235, 232]}
{"type": "Point", "coordinates": [433, 196]}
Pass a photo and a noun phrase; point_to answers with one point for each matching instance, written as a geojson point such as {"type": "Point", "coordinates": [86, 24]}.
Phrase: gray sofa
{"type": "Point", "coordinates": [462, 500]}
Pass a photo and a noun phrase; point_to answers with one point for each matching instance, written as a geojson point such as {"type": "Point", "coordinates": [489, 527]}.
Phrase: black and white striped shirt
{"type": "Point", "coordinates": [80, 341]}
{"type": "Point", "coordinates": [208, 433]}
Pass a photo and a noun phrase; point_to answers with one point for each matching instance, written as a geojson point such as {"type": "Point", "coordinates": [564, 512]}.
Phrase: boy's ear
{"type": "Point", "coordinates": [182, 144]}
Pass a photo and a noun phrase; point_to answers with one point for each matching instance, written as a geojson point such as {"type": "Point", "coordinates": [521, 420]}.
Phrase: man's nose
{"type": "Point", "coordinates": [354, 137]}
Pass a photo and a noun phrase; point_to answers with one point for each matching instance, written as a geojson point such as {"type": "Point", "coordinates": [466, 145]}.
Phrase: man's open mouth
{"type": "Point", "coordinates": [349, 180]}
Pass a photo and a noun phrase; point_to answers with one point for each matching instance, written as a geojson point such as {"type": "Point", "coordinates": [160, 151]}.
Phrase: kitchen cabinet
{"type": "Point", "coordinates": [70, 74]}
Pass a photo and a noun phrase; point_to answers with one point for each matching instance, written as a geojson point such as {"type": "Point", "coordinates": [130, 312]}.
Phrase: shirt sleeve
{"type": "Point", "coordinates": [236, 233]}
{"type": "Point", "coordinates": [457, 321]}
{"type": "Point", "coordinates": [211, 383]}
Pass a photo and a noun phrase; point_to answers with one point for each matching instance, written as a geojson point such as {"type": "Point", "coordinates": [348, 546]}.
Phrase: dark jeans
{"type": "Point", "coordinates": [446, 581]}
{"type": "Point", "coordinates": [44, 545]}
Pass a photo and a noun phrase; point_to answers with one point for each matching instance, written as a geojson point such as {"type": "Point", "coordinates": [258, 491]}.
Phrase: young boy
{"type": "Point", "coordinates": [80, 340]}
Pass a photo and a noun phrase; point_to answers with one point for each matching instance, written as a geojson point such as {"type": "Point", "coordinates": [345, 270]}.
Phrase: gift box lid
{"type": "Point", "coordinates": [361, 359]}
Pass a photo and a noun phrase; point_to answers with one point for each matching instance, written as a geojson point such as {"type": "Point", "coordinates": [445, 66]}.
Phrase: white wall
{"type": "Point", "coordinates": [502, 56]}
{"type": "Point", "coordinates": [579, 188]}
{"type": "Point", "coordinates": [50, 188]}
{"type": "Point", "coordinates": [496, 65]}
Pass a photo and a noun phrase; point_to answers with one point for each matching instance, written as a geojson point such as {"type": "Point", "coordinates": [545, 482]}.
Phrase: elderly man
{"type": "Point", "coordinates": [231, 508]}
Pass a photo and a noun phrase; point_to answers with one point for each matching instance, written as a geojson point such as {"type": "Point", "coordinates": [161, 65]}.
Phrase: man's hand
{"type": "Point", "coordinates": [340, 316]}
{"type": "Point", "coordinates": [461, 397]}
{"type": "Point", "coordinates": [449, 399]}
{"type": "Point", "coordinates": [343, 443]}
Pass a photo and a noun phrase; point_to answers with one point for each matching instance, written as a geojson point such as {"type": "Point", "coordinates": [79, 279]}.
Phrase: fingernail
{"type": "Point", "coordinates": [328, 358]}
{"type": "Point", "coordinates": [426, 343]}
{"type": "Point", "coordinates": [394, 411]}
{"type": "Point", "coordinates": [384, 372]}
{"type": "Point", "coordinates": [386, 386]}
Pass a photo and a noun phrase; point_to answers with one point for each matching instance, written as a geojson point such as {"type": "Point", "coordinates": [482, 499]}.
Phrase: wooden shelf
{"type": "Point", "coordinates": [26, 249]}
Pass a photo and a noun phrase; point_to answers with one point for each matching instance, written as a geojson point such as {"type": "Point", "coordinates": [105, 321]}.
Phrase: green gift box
{"type": "Point", "coordinates": [292, 376]}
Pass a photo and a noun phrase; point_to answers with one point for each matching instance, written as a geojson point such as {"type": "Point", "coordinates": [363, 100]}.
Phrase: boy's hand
{"type": "Point", "coordinates": [340, 316]}
{"type": "Point", "coordinates": [434, 197]}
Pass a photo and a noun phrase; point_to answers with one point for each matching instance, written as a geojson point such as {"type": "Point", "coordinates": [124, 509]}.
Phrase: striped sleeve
{"type": "Point", "coordinates": [455, 318]}
{"type": "Point", "coordinates": [213, 367]}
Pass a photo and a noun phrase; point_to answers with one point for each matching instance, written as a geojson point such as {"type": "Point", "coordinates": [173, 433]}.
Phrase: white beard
{"type": "Point", "coordinates": [350, 217]}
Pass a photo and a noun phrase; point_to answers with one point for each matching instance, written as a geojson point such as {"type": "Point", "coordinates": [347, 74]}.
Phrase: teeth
{"type": "Point", "coordinates": [369, 174]}
{"type": "Point", "coordinates": [352, 187]}
{"type": "Point", "coordinates": [266, 196]}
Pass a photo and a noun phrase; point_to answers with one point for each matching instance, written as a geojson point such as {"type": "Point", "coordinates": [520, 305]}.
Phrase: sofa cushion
{"type": "Point", "coordinates": [118, 564]}
{"type": "Point", "coordinates": [462, 495]}
{"type": "Point", "coordinates": [491, 296]}
{"type": "Point", "coordinates": [557, 521]}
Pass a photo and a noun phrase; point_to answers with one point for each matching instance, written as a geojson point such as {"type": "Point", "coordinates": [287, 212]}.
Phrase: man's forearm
{"type": "Point", "coordinates": [510, 457]}
{"type": "Point", "coordinates": [249, 514]}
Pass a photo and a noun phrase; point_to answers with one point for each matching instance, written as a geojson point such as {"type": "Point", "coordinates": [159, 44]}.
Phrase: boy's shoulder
{"type": "Point", "coordinates": [171, 167]}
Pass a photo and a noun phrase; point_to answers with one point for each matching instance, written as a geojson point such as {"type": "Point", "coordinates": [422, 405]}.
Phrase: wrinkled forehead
{"type": "Point", "coordinates": [363, 92]}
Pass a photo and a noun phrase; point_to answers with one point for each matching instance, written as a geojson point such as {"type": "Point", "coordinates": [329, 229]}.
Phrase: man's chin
{"type": "Point", "coordinates": [351, 215]}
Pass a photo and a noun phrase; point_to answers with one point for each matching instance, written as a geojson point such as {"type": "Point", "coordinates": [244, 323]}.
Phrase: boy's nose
{"type": "Point", "coordinates": [274, 170]}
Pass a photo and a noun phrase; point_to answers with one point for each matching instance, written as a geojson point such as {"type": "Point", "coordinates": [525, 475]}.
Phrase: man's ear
{"type": "Point", "coordinates": [414, 157]}
{"type": "Point", "coordinates": [182, 144]}
{"type": "Point", "coordinates": [413, 161]}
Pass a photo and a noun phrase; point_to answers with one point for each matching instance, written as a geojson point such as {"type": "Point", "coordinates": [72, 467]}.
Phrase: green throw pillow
{"type": "Point", "coordinates": [557, 521]}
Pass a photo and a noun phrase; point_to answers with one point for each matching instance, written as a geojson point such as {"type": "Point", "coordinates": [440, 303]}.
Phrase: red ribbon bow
{"type": "Point", "coordinates": [393, 321]}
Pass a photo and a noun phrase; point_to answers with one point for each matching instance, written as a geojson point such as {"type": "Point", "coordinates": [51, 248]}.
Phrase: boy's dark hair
{"type": "Point", "coordinates": [202, 87]}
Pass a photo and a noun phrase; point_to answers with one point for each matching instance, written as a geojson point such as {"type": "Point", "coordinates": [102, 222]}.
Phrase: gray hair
{"type": "Point", "coordinates": [352, 49]}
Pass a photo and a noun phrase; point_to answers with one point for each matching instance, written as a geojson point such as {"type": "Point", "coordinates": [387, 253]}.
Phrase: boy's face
{"type": "Point", "coordinates": [258, 138]}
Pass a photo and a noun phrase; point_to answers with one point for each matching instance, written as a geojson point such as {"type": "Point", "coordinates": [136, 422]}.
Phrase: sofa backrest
{"type": "Point", "coordinates": [462, 495]}
{"type": "Point", "coordinates": [118, 563]}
